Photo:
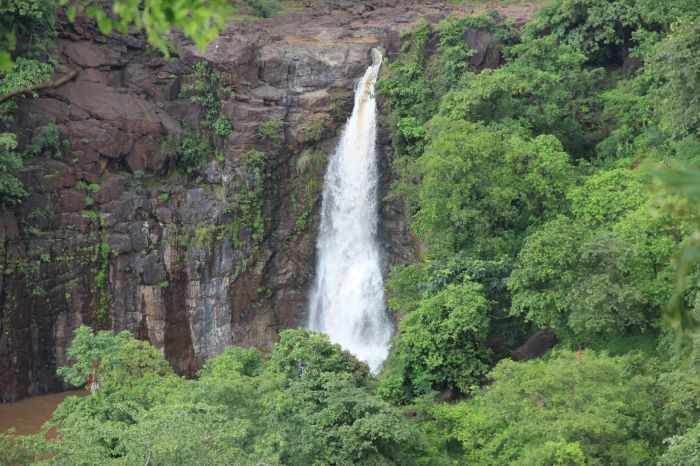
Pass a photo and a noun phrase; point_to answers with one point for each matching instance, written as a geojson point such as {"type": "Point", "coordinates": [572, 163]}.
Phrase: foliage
{"type": "Point", "coordinates": [597, 29]}
{"type": "Point", "coordinates": [607, 269]}
{"type": "Point", "coordinates": [20, 449]}
{"type": "Point", "coordinates": [570, 278]}
{"type": "Point", "coordinates": [246, 205]}
{"type": "Point", "coordinates": [207, 91]}
{"type": "Point", "coordinates": [545, 87]}
{"type": "Point", "coordinates": [263, 8]}
{"type": "Point", "coordinates": [192, 152]}
{"type": "Point", "coordinates": [314, 132]}
{"type": "Point", "coordinates": [24, 72]}
{"type": "Point", "coordinates": [674, 60]}
{"type": "Point", "coordinates": [589, 409]}
{"type": "Point", "coordinates": [682, 449]}
{"type": "Point", "coordinates": [310, 161]}
{"type": "Point", "coordinates": [26, 26]}
{"type": "Point", "coordinates": [328, 419]}
{"type": "Point", "coordinates": [530, 179]}
{"type": "Point", "coordinates": [137, 181]}
{"type": "Point", "coordinates": [132, 360]}
{"type": "Point", "coordinates": [11, 189]}
{"type": "Point", "coordinates": [270, 130]}
{"type": "Point", "coordinates": [33, 22]}
{"type": "Point", "coordinates": [222, 127]}
{"type": "Point", "coordinates": [479, 187]}
{"type": "Point", "coordinates": [199, 20]}
{"type": "Point", "coordinates": [442, 343]}
{"type": "Point", "coordinates": [456, 307]}
{"type": "Point", "coordinates": [454, 52]}
{"type": "Point", "coordinates": [89, 350]}
{"type": "Point", "coordinates": [605, 196]}
{"type": "Point", "coordinates": [296, 407]}
{"type": "Point", "coordinates": [47, 141]}
{"type": "Point", "coordinates": [408, 88]}
{"type": "Point", "coordinates": [303, 353]}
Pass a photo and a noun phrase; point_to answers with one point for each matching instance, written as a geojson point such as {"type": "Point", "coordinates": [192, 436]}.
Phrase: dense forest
{"type": "Point", "coordinates": [558, 191]}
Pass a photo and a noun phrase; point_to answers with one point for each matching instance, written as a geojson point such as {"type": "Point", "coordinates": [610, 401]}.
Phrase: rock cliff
{"type": "Point", "coordinates": [116, 236]}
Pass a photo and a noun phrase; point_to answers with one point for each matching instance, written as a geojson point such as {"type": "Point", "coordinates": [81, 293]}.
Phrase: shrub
{"type": "Point", "coordinates": [192, 151]}
{"type": "Point", "coordinates": [270, 129]}
{"type": "Point", "coordinates": [47, 141]}
{"type": "Point", "coordinates": [11, 189]}
{"type": "Point", "coordinates": [222, 127]}
{"type": "Point", "coordinates": [137, 181]}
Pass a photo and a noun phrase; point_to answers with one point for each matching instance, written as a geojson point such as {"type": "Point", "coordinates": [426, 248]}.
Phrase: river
{"type": "Point", "coordinates": [28, 415]}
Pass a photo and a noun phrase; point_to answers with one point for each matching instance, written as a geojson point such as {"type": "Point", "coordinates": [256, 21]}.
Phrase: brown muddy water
{"type": "Point", "coordinates": [28, 415]}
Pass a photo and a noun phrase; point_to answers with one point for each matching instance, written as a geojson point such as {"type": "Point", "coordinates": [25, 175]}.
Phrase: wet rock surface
{"type": "Point", "coordinates": [113, 236]}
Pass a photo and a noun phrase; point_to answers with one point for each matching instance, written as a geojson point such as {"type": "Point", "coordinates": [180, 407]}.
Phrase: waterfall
{"type": "Point", "coordinates": [347, 297]}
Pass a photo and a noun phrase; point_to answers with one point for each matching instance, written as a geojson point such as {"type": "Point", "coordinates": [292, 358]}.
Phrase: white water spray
{"type": "Point", "coordinates": [347, 298]}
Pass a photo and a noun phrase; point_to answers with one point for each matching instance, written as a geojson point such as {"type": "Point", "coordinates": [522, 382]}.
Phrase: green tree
{"type": "Point", "coordinates": [307, 403]}
{"type": "Point", "coordinates": [88, 350]}
{"type": "Point", "coordinates": [673, 62]}
{"type": "Point", "coordinates": [599, 29]}
{"type": "Point", "coordinates": [606, 196]}
{"type": "Point", "coordinates": [440, 344]}
{"type": "Point", "coordinates": [303, 353]}
{"type": "Point", "coordinates": [478, 189]}
{"type": "Point", "coordinates": [328, 419]}
{"type": "Point", "coordinates": [545, 88]}
{"type": "Point", "coordinates": [573, 279]}
{"type": "Point", "coordinates": [607, 269]}
{"type": "Point", "coordinates": [591, 410]}
{"type": "Point", "coordinates": [682, 449]}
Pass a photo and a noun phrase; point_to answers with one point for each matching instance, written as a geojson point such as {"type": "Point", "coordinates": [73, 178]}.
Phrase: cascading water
{"type": "Point", "coordinates": [347, 298]}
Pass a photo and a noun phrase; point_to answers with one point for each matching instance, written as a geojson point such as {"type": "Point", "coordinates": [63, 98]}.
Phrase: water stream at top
{"type": "Point", "coordinates": [347, 297]}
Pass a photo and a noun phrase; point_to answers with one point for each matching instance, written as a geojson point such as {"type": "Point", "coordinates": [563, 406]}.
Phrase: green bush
{"type": "Point", "coordinates": [11, 188]}
{"type": "Point", "coordinates": [270, 130]}
{"type": "Point", "coordinates": [262, 8]}
{"type": "Point", "coordinates": [47, 141]}
{"type": "Point", "coordinates": [192, 152]}
{"type": "Point", "coordinates": [222, 127]}
{"type": "Point", "coordinates": [206, 89]}
{"type": "Point", "coordinates": [137, 181]}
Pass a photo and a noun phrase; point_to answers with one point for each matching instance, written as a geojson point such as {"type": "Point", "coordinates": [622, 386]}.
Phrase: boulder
{"type": "Point", "coordinates": [535, 346]}
{"type": "Point", "coordinates": [487, 50]}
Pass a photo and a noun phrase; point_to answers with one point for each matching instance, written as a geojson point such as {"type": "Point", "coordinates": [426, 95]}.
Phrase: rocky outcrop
{"type": "Point", "coordinates": [535, 346]}
{"type": "Point", "coordinates": [115, 236]}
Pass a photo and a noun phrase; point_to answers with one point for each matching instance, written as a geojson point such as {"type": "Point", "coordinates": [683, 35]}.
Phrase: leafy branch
{"type": "Point", "coordinates": [48, 84]}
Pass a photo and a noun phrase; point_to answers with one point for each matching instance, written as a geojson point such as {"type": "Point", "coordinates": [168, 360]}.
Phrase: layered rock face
{"type": "Point", "coordinates": [115, 236]}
